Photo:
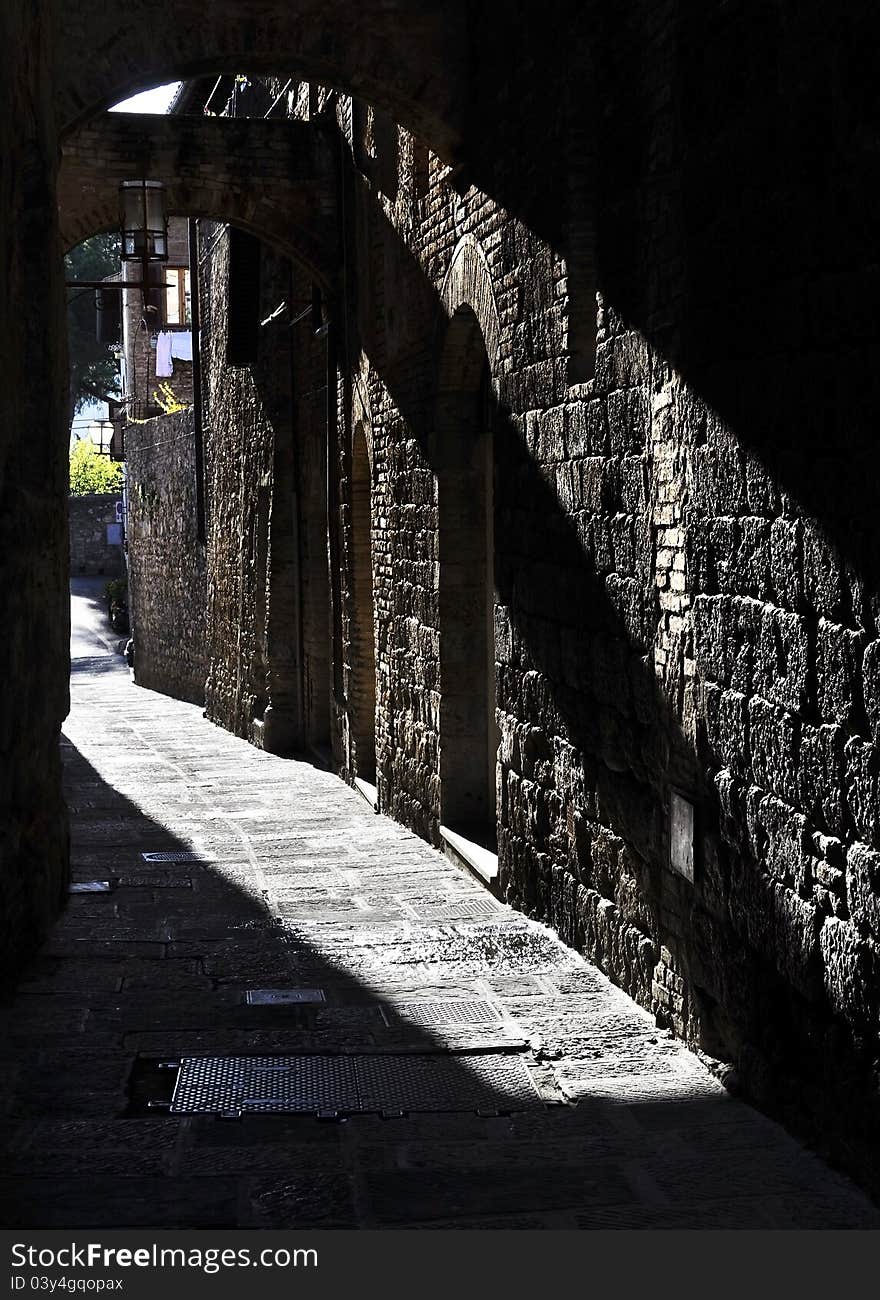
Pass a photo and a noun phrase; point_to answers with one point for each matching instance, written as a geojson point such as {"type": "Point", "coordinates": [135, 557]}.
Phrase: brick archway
{"type": "Point", "coordinates": [464, 463]}
{"type": "Point", "coordinates": [468, 283]}
{"type": "Point", "coordinates": [105, 53]}
{"type": "Point", "coordinates": [274, 179]}
{"type": "Point", "coordinates": [362, 686]}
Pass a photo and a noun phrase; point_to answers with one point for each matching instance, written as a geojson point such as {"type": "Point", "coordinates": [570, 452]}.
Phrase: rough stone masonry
{"type": "Point", "coordinates": [603, 324]}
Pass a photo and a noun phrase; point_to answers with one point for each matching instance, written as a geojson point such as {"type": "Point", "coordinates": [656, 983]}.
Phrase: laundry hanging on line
{"type": "Point", "coordinates": [164, 364]}
{"type": "Point", "coordinates": [182, 345]}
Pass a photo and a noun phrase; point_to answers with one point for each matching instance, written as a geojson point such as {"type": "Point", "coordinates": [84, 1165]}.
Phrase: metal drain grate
{"type": "Point", "coordinates": [458, 1011]}
{"type": "Point", "coordinates": [179, 855]}
{"type": "Point", "coordinates": [265, 1084]}
{"type": "Point", "coordinates": [331, 1085]}
{"type": "Point", "coordinates": [282, 997]}
{"type": "Point", "coordinates": [445, 1083]}
{"type": "Point", "coordinates": [467, 910]}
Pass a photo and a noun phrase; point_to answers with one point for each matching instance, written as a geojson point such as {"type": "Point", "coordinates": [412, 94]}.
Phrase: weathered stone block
{"type": "Point", "coordinates": [871, 687]}
{"type": "Point", "coordinates": [786, 571]}
{"type": "Point", "coordinates": [838, 672]}
{"type": "Point", "coordinates": [821, 769]}
{"type": "Point", "coordinates": [824, 580]}
{"type": "Point", "coordinates": [585, 429]}
{"type": "Point", "coordinates": [627, 421]}
{"type": "Point", "coordinates": [850, 972]}
{"type": "Point", "coordinates": [863, 888]}
{"type": "Point", "coordinates": [623, 362]}
{"type": "Point", "coordinates": [774, 736]}
{"type": "Point", "coordinates": [782, 665]}
{"type": "Point", "coordinates": [550, 440]}
{"type": "Point", "coordinates": [633, 485]}
{"type": "Point", "coordinates": [863, 789]}
{"type": "Point", "coordinates": [727, 728]}
{"type": "Point", "coordinates": [786, 845]}
{"type": "Point", "coordinates": [747, 572]}
{"type": "Point", "coordinates": [796, 935]}
{"type": "Point", "coordinates": [711, 616]}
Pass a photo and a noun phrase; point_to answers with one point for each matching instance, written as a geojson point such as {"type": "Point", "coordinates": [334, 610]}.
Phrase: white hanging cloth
{"type": "Point", "coordinates": [182, 345]}
{"type": "Point", "coordinates": [164, 364]}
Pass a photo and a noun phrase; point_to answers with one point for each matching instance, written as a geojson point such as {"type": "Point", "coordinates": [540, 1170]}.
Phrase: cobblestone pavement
{"type": "Point", "coordinates": [299, 885]}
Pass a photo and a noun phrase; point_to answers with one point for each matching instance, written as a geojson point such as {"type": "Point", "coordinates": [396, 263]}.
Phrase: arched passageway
{"type": "Point", "coordinates": [468, 730]}
{"type": "Point", "coordinates": [658, 511]}
{"type": "Point", "coordinates": [331, 41]}
{"type": "Point", "coordinates": [274, 179]}
{"type": "Point", "coordinates": [362, 682]}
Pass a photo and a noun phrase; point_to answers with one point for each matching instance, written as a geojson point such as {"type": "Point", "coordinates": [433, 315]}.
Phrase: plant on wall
{"type": "Point", "coordinates": [168, 400]}
{"type": "Point", "coordinates": [92, 472]}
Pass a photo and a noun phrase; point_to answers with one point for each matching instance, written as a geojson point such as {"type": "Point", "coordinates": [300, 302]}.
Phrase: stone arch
{"type": "Point", "coordinates": [464, 461]}
{"type": "Point", "coordinates": [468, 283]}
{"type": "Point", "coordinates": [273, 179]}
{"type": "Point", "coordinates": [361, 405]}
{"type": "Point", "coordinates": [362, 623]}
{"type": "Point", "coordinates": [350, 47]}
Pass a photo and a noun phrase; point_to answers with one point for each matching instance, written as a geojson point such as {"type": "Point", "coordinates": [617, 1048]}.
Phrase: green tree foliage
{"type": "Point", "coordinates": [92, 472]}
{"type": "Point", "coordinates": [93, 367]}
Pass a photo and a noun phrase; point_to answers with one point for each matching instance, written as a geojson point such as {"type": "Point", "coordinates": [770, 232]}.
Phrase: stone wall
{"type": "Point", "coordinates": [90, 552]}
{"type": "Point", "coordinates": [166, 558]}
{"type": "Point", "coordinates": [684, 553]}
{"type": "Point", "coordinates": [254, 683]}
{"type": "Point", "coordinates": [33, 493]}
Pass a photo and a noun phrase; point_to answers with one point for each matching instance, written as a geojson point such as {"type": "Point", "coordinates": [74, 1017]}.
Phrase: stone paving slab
{"type": "Point", "coordinates": [299, 884]}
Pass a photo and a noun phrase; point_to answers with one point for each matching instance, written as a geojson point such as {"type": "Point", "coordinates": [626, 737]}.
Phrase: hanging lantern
{"type": "Point", "coordinates": [144, 224]}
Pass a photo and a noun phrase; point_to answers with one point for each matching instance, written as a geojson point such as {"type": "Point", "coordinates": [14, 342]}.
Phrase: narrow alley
{"type": "Point", "coordinates": [458, 1065]}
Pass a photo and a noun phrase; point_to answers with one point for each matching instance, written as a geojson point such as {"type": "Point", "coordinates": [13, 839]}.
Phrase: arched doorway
{"type": "Point", "coordinates": [469, 736]}
{"type": "Point", "coordinates": [362, 647]}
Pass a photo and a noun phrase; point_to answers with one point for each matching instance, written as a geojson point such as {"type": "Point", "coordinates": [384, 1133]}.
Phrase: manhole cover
{"type": "Point", "coordinates": [179, 855]}
{"type": "Point", "coordinates": [458, 1011]}
{"type": "Point", "coordinates": [331, 1085]}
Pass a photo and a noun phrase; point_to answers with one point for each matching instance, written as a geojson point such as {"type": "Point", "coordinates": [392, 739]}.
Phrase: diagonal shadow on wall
{"type": "Point", "coordinates": [582, 608]}
{"type": "Point", "coordinates": [158, 967]}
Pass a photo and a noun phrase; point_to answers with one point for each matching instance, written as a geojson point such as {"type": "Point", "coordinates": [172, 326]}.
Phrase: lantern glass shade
{"type": "Point", "coordinates": [99, 433]}
{"type": "Point", "coordinates": [144, 226]}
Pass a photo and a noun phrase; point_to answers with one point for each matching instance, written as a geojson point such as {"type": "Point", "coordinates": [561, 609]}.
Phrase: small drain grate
{"type": "Point", "coordinates": [282, 997]}
{"type": "Point", "coordinates": [458, 1011]}
{"type": "Point", "coordinates": [179, 855]}
{"type": "Point", "coordinates": [332, 1085]}
{"type": "Point", "coordinates": [467, 910]}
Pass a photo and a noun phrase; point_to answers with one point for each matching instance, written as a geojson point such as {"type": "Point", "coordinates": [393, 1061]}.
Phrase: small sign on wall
{"type": "Point", "coordinates": [114, 534]}
{"type": "Point", "coordinates": [681, 835]}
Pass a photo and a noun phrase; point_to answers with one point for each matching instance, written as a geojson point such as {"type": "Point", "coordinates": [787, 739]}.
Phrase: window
{"type": "Point", "coordinates": [177, 295]}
